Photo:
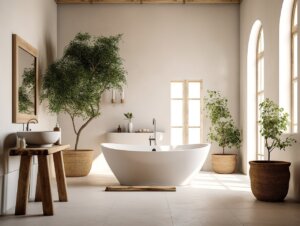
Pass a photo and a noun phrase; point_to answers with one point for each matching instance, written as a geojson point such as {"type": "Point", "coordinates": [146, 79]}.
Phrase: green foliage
{"type": "Point", "coordinates": [273, 121]}
{"type": "Point", "coordinates": [128, 115]}
{"type": "Point", "coordinates": [25, 104]}
{"type": "Point", "coordinates": [222, 130]}
{"type": "Point", "coordinates": [26, 91]}
{"type": "Point", "coordinates": [75, 83]}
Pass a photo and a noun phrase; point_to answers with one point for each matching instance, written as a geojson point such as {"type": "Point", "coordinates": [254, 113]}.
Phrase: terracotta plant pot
{"type": "Point", "coordinates": [224, 164]}
{"type": "Point", "coordinates": [269, 180]}
{"type": "Point", "coordinates": [78, 163]}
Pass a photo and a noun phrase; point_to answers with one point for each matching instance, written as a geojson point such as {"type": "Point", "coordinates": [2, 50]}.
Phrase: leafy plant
{"type": "Point", "coordinates": [274, 122]}
{"type": "Point", "coordinates": [26, 91]}
{"type": "Point", "coordinates": [75, 83]}
{"type": "Point", "coordinates": [128, 115]}
{"type": "Point", "coordinates": [222, 130]}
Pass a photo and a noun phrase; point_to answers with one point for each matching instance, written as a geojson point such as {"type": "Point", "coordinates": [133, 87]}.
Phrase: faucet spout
{"type": "Point", "coordinates": [32, 120]}
{"type": "Point", "coordinates": [154, 133]}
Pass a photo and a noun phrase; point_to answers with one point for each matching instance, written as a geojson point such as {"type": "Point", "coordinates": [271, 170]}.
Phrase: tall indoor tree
{"type": "Point", "coordinates": [75, 83]}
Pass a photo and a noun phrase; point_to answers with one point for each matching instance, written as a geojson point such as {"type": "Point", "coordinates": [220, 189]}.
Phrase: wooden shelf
{"type": "Point", "coordinates": [133, 138]}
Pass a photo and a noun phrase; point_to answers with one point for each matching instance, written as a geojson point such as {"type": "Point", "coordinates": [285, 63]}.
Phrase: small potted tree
{"type": "Point", "coordinates": [75, 83]}
{"type": "Point", "coordinates": [270, 179]}
{"type": "Point", "coordinates": [222, 131]}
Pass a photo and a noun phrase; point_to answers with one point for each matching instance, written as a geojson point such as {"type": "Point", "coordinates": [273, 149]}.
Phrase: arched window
{"type": "Point", "coordinates": [255, 69]}
{"type": "Point", "coordinates": [260, 94]}
{"type": "Point", "coordinates": [288, 65]}
{"type": "Point", "coordinates": [294, 69]}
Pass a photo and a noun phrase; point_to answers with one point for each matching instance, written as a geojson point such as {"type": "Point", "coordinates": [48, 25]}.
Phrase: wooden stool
{"type": "Point", "coordinates": [43, 187]}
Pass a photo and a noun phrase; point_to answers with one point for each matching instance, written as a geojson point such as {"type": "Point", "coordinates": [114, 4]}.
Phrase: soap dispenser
{"type": "Point", "coordinates": [23, 143]}
{"type": "Point", "coordinates": [57, 128]}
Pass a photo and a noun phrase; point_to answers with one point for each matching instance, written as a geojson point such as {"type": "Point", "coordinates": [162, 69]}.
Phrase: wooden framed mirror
{"type": "Point", "coordinates": [25, 80]}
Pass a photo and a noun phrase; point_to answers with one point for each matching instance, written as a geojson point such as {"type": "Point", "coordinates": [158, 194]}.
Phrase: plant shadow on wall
{"type": "Point", "coordinates": [270, 179]}
{"type": "Point", "coordinates": [75, 83]}
{"type": "Point", "coordinates": [222, 131]}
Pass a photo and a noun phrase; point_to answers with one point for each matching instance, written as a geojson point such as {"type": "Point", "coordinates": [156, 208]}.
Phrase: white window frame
{"type": "Point", "coordinates": [294, 75]}
{"type": "Point", "coordinates": [185, 99]}
{"type": "Point", "coordinates": [259, 92]}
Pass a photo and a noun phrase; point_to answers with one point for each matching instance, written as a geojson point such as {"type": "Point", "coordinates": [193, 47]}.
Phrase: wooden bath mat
{"type": "Point", "coordinates": [140, 188]}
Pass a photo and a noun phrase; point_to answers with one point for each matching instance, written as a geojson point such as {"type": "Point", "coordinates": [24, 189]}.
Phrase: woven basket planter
{"type": "Point", "coordinates": [78, 163]}
{"type": "Point", "coordinates": [224, 163]}
{"type": "Point", "coordinates": [270, 180]}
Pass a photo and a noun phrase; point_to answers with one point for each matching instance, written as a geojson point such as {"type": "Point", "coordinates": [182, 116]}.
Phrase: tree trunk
{"type": "Point", "coordinates": [80, 130]}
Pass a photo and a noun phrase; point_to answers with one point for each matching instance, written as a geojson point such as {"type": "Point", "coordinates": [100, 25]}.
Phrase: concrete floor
{"type": "Point", "coordinates": [210, 200]}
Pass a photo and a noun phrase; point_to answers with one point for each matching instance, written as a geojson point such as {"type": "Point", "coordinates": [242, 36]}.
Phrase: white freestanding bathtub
{"type": "Point", "coordinates": [168, 165]}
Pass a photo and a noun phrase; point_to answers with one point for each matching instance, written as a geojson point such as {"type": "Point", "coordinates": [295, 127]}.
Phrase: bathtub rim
{"type": "Point", "coordinates": [183, 147]}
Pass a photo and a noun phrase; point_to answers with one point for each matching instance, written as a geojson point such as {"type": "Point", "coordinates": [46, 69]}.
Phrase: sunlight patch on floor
{"type": "Point", "coordinates": [209, 180]}
{"type": "Point", "coordinates": [100, 166]}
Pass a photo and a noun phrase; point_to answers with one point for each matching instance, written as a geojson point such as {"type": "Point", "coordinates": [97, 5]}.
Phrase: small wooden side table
{"type": "Point", "coordinates": [43, 187]}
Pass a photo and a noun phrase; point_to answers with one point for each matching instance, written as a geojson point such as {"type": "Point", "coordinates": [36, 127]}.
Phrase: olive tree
{"type": "Point", "coordinates": [75, 83]}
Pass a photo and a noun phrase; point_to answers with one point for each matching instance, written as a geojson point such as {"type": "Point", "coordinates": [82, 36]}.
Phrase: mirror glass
{"type": "Point", "coordinates": [24, 81]}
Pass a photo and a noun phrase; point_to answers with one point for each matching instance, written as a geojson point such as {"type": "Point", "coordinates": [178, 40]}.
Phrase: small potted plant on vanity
{"type": "Point", "coordinates": [74, 85]}
{"type": "Point", "coordinates": [222, 131]}
{"type": "Point", "coordinates": [129, 117]}
{"type": "Point", "coordinates": [270, 179]}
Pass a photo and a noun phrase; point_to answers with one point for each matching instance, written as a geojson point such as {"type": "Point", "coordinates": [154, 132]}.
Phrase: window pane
{"type": "Point", "coordinates": [260, 157]}
{"type": "Point", "coordinates": [260, 98]}
{"type": "Point", "coordinates": [295, 22]}
{"type": "Point", "coordinates": [295, 103]}
{"type": "Point", "coordinates": [176, 136]}
{"type": "Point", "coordinates": [295, 128]}
{"type": "Point", "coordinates": [194, 135]}
{"type": "Point", "coordinates": [260, 142]}
{"type": "Point", "coordinates": [261, 40]}
{"type": "Point", "coordinates": [176, 90]}
{"type": "Point", "coordinates": [176, 112]}
{"type": "Point", "coordinates": [194, 89]}
{"type": "Point", "coordinates": [194, 112]}
{"type": "Point", "coordinates": [295, 55]}
{"type": "Point", "coordinates": [260, 145]}
{"type": "Point", "coordinates": [260, 75]}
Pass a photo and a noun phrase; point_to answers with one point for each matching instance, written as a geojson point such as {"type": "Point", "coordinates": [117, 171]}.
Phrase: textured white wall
{"type": "Point", "coordinates": [268, 12]}
{"type": "Point", "coordinates": [160, 43]}
{"type": "Point", "coordinates": [36, 22]}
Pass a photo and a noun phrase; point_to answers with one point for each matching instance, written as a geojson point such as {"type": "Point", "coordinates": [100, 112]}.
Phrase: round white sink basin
{"type": "Point", "coordinates": [40, 138]}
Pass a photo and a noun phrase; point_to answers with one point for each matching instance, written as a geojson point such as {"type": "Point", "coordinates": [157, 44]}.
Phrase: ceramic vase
{"type": "Point", "coordinates": [130, 127]}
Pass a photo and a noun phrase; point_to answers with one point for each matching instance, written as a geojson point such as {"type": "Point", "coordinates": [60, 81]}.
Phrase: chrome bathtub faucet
{"type": "Point", "coordinates": [154, 135]}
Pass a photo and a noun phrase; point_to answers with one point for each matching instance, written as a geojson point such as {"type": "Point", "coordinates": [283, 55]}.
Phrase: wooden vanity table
{"type": "Point", "coordinates": [43, 187]}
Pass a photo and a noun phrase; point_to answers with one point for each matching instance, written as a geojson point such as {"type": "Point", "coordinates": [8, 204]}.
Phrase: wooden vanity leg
{"type": "Point", "coordinates": [60, 176]}
{"type": "Point", "coordinates": [38, 194]}
{"type": "Point", "coordinates": [23, 185]}
{"type": "Point", "coordinates": [45, 185]}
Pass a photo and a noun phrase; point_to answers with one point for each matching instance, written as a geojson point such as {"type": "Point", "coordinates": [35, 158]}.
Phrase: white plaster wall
{"type": "Point", "coordinates": [268, 12]}
{"type": "Point", "coordinates": [36, 22]}
{"type": "Point", "coordinates": [160, 43]}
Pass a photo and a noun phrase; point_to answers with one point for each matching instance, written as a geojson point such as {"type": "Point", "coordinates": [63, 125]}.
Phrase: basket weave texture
{"type": "Point", "coordinates": [78, 163]}
{"type": "Point", "coordinates": [224, 164]}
